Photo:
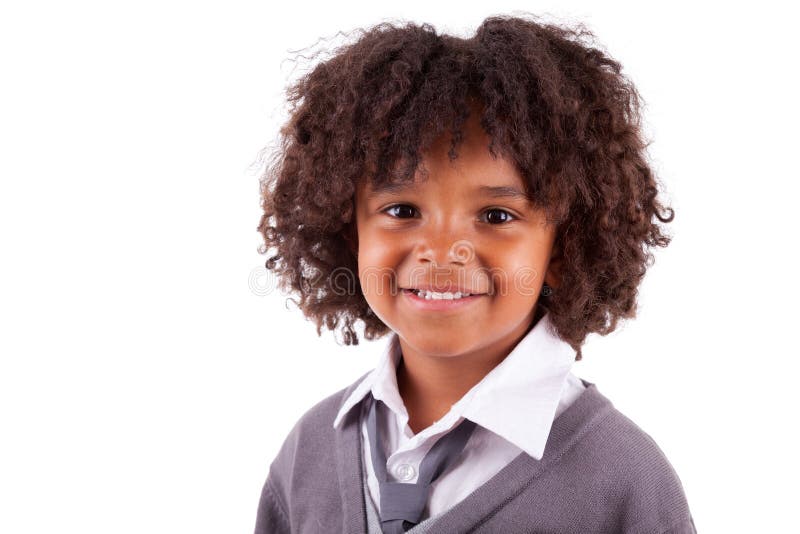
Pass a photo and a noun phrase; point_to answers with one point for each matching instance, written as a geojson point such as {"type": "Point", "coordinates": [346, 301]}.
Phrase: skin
{"type": "Point", "coordinates": [445, 232]}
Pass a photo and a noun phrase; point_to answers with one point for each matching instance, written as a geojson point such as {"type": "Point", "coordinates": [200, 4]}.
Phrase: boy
{"type": "Point", "coordinates": [487, 266]}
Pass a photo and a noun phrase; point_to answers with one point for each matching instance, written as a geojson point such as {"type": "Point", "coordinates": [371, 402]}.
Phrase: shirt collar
{"type": "Point", "coordinates": [525, 387]}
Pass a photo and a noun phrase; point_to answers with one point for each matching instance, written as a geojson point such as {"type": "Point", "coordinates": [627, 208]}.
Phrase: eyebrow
{"type": "Point", "coordinates": [494, 191]}
{"type": "Point", "coordinates": [391, 188]}
{"type": "Point", "coordinates": [503, 191]}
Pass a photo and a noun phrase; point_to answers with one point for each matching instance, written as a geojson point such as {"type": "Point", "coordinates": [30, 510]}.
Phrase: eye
{"type": "Point", "coordinates": [498, 221]}
{"type": "Point", "coordinates": [401, 208]}
{"type": "Point", "coordinates": [495, 216]}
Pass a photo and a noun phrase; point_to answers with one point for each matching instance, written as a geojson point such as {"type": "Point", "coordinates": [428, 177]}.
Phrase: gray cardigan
{"type": "Point", "coordinates": [600, 473]}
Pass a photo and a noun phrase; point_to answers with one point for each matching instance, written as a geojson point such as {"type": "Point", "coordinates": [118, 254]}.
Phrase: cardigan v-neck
{"type": "Point", "coordinates": [498, 490]}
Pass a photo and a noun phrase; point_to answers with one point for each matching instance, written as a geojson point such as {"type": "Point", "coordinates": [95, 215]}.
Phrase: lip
{"type": "Point", "coordinates": [439, 304]}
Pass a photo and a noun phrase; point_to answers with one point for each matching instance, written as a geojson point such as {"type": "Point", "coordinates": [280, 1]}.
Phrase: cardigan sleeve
{"type": "Point", "coordinates": [274, 507]}
{"type": "Point", "coordinates": [655, 501]}
{"type": "Point", "coordinates": [649, 497]}
{"type": "Point", "coordinates": [271, 517]}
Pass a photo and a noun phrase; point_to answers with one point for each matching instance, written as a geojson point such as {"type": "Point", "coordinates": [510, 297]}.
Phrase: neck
{"type": "Point", "coordinates": [429, 385]}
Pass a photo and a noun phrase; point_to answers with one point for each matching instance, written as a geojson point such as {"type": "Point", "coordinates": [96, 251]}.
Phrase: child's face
{"type": "Point", "coordinates": [449, 234]}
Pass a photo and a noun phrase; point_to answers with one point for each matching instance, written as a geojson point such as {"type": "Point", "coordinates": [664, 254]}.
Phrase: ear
{"type": "Point", "coordinates": [553, 275]}
{"type": "Point", "coordinates": [351, 237]}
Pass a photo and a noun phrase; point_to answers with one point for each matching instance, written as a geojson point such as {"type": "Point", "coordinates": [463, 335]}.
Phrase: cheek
{"type": "Point", "coordinates": [519, 273]}
{"type": "Point", "coordinates": [377, 265]}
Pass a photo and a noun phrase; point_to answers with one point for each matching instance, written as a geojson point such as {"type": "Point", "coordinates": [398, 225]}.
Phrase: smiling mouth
{"type": "Point", "coordinates": [439, 305]}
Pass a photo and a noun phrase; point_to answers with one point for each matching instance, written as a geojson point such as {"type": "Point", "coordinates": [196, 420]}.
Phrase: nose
{"type": "Point", "coordinates": [445, 248]}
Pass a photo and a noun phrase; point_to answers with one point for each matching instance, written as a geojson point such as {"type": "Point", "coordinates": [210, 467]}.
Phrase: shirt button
{"type": "Point", "coordinates": [405, 472]}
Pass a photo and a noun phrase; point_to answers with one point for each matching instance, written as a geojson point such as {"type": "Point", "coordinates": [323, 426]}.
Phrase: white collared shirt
{"type": "Point", "coordinates": [514, 406]}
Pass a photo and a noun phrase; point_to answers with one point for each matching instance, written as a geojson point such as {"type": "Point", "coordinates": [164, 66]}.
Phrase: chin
{"type": "Point", "coordinates": [437, 346]}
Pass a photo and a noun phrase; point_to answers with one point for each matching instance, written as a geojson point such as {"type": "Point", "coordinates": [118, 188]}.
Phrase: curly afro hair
{"type": "Point", "coordinates": [553, 104]}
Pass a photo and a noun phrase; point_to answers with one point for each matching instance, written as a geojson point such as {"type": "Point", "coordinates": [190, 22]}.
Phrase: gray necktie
{"type": "Point", "coordinates": [402, 503]}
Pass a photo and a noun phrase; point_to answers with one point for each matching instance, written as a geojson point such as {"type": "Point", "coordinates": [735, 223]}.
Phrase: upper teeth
{"type": "Point", "coordinates": [434, 295]}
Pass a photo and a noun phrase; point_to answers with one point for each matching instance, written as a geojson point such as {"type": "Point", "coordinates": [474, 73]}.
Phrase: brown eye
{"type": "Point", "coordinates": [497, 216]}
{"type": "Point", "coordinates": [401, 208]}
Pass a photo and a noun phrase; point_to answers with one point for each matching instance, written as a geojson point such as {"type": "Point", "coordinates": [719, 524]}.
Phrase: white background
{"type": "Point", "coordinates": [146, 383]}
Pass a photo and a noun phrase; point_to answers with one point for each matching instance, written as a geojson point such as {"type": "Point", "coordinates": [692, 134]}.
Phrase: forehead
{"type": "Point", "coordinates": [475, 172]}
